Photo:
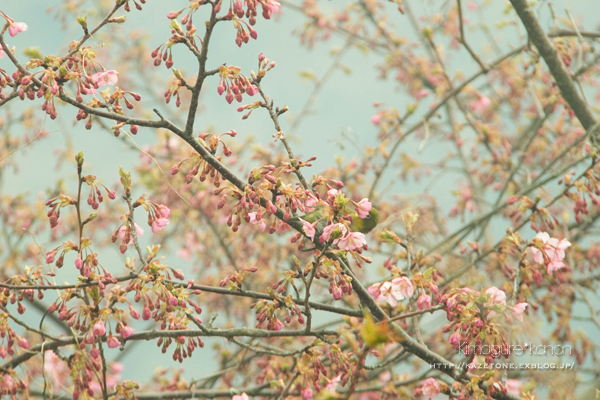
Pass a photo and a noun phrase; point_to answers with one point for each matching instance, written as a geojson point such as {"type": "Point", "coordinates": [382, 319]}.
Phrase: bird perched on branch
{"type": "Point", "coordinates": [363, 225]}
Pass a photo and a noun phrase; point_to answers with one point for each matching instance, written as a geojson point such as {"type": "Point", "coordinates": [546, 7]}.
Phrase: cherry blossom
{"type": "Point", "coordinates": [261, 222]}
{"type": "Point", "coordinates": [123, 230]}
{"type": "Point", "coordinates": [363, 207]}
{"type": "Point", "coordinates": [242, 396]}
{"type": "Point", "coordinates": [549, 251]}
{"type": "Point", "coordinates": [99, 329]}
{"type": "Point", "coordinates": [430, 388]}
{"type": "Point", "coordinates": [513, 386]}
{"type": "Point", "coordinates": [375, 290]}
{"type": "Point", "coordinates": [352, 241]}
{"type": "Point", "coordinates": [158, 224]}
{"type": "Point", "coordinates": [336, 230]}
{"type": "Point", "coordinates": [113, 342]}
{"type": "Point", "coordinates": [497, 296]}
{"type": "Point", "coordinates": [126, 332]}
{"type": "Point", "coordinates": [308, 229]}
{"type": "Point", "coordinates": [481, 104]}
{"type": "Point", "coordinates": [393, 291]}
{"type": "Point", "coordinates": [376, 119]}
{"type": "Point", "coordinates": [307, 393]}
{"type": "Point", "coordinates": [424, 301]}
{"type": "Point", "coordinates": [518, 310]}
{"type": "Point", "coordinates": [17, 27]}
{"type": "Point", "coordinates": [332, 383]}
{"type": "Point", "coordinates": [105, 78]}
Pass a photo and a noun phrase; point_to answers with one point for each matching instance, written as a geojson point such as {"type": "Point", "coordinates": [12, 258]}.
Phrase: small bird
{"type": "Point", "coordinates": [363, 225]}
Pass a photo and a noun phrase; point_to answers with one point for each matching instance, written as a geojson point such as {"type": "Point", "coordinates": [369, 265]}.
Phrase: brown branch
{"type": "Point", "coordinates": [463, 40]}
{"type": "Point", "coordinates": [557, 68]}
{"type": "Point", "coordinates": [210, 289]}
{"type": "Point", "coordinates": [280, 135]}
{"type": "Point", "coordinates": [148, 335]}
{"type": "Point", "coordinates": [202, 58]}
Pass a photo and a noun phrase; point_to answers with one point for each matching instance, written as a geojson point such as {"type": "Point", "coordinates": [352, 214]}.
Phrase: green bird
{"type": "Point", "coordinates": [363, 225]}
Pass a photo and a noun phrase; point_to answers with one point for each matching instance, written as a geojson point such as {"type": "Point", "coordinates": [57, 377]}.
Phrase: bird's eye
{"type": "Point", "coordinates": [369, 216]}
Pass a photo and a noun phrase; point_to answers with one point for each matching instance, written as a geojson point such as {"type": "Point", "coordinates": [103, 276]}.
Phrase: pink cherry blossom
{"type": "Point", "coordinates": [23, 343]}
{"type": "Point", "coordinates": [430, 388]}
{"type": "Point", "coordinates": [363, 207]}
{"type": "Point", "coordinates": [242, 396]}
{"type": "Point", "coordinates": [352, 241]}
{"type": "Point", "coordinates": [424, 301]}
{"type": "Point", "coordinates": [17, 27]}
{"type": "Point", "coordinates": [551, 253]}
{"type": "Point", "coordinates": [278, 325]}
{"type": "Point", "coordinates": [251, 90]}
{"type": "Point", "coordinates": [105, 78]}
{"type": "Point", "coordinates": [386, 293]}
{"type": "Point", "coordinates": [261, 222]}
{"type": "Point", "coordinates": [99, 329]}
{"type": "Point", "coordinates": [472, 6]}
{"type": "Point", "coordinates": [270, 7]}
{"type": "Point", "coordinates": [404, 286]}
{"type": "Point", "coordinates": [308, 229]}
{"type": "Point", "coordinates": [397, 289]}
{"type": "Point", "coordinates": [374, 290]}
{"type": "Point", "coordinates": [337, 230]}
{"type": "Point", "coordinates": [113, 342]}
{"type": "Point", "coordinates": [481, 104]}
{"type": "Point", "coordinates": [126, 331]}
{"type": "Point", "coordinates": [454, 339]}
{"type": "Point", "coordinates": [2, 53]}
{"type": "Point", "coordinates": [513, 386]}
{"type": "Point", "coordinates": [163, 211]}
{"type": "Point", "coordinates": [518, 310]}
{"type": "Point", "coordinates": [138, 230]}
{"type": "Point", "coordinates": [497, 296]}
{"type": "Point", "coordinates": [332, 193]}
{"type": "Point", "coordinates": [332, 384]}
{"type": "Point", "coordinates": [159, 223]}
{"type": "Point", "coordinates": [311, 201]}
{"type": "Point", "coordinates": [376, 119]}
{"type": "Point", "coordinates": [422, 93]}
{"type": "Point", "coordinates": [55, 368]}
{"type": "Point", "coordinates": [307, 393]}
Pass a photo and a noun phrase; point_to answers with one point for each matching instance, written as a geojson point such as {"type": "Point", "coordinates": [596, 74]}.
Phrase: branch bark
{"type": "Point", "coordinates": [555, 65]}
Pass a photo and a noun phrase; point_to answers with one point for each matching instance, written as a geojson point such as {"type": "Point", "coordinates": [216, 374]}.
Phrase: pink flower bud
{"type": "Point", "coordinates": [50, 256]}
{"type": "Point", "coordinates": [178, 274]}
{"type": "Point", "coordinates": [17, 27]}
{"type": "Point", "coordinates": [512, 200]}
{"type": "Point", "coordinates": [423, 302]}
{"type": "Point", "coordinates": [95, 353]}
{"type": "Point", "coordinates": [126, 332]}
{"type": "Point", "coordinates": [113, 342]}
{"type": "Point", "coordinates": [173, 14]}
{"type": "Point", "coordinates": [23, 343]}
{"type": "Point", "coordinates": [99, 329]}
{"type": "Point", "coordinates": [337, 293]}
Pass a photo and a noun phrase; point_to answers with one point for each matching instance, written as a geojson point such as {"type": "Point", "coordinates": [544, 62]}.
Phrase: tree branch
{"type": "Point", "coordinates": [557, 68]}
